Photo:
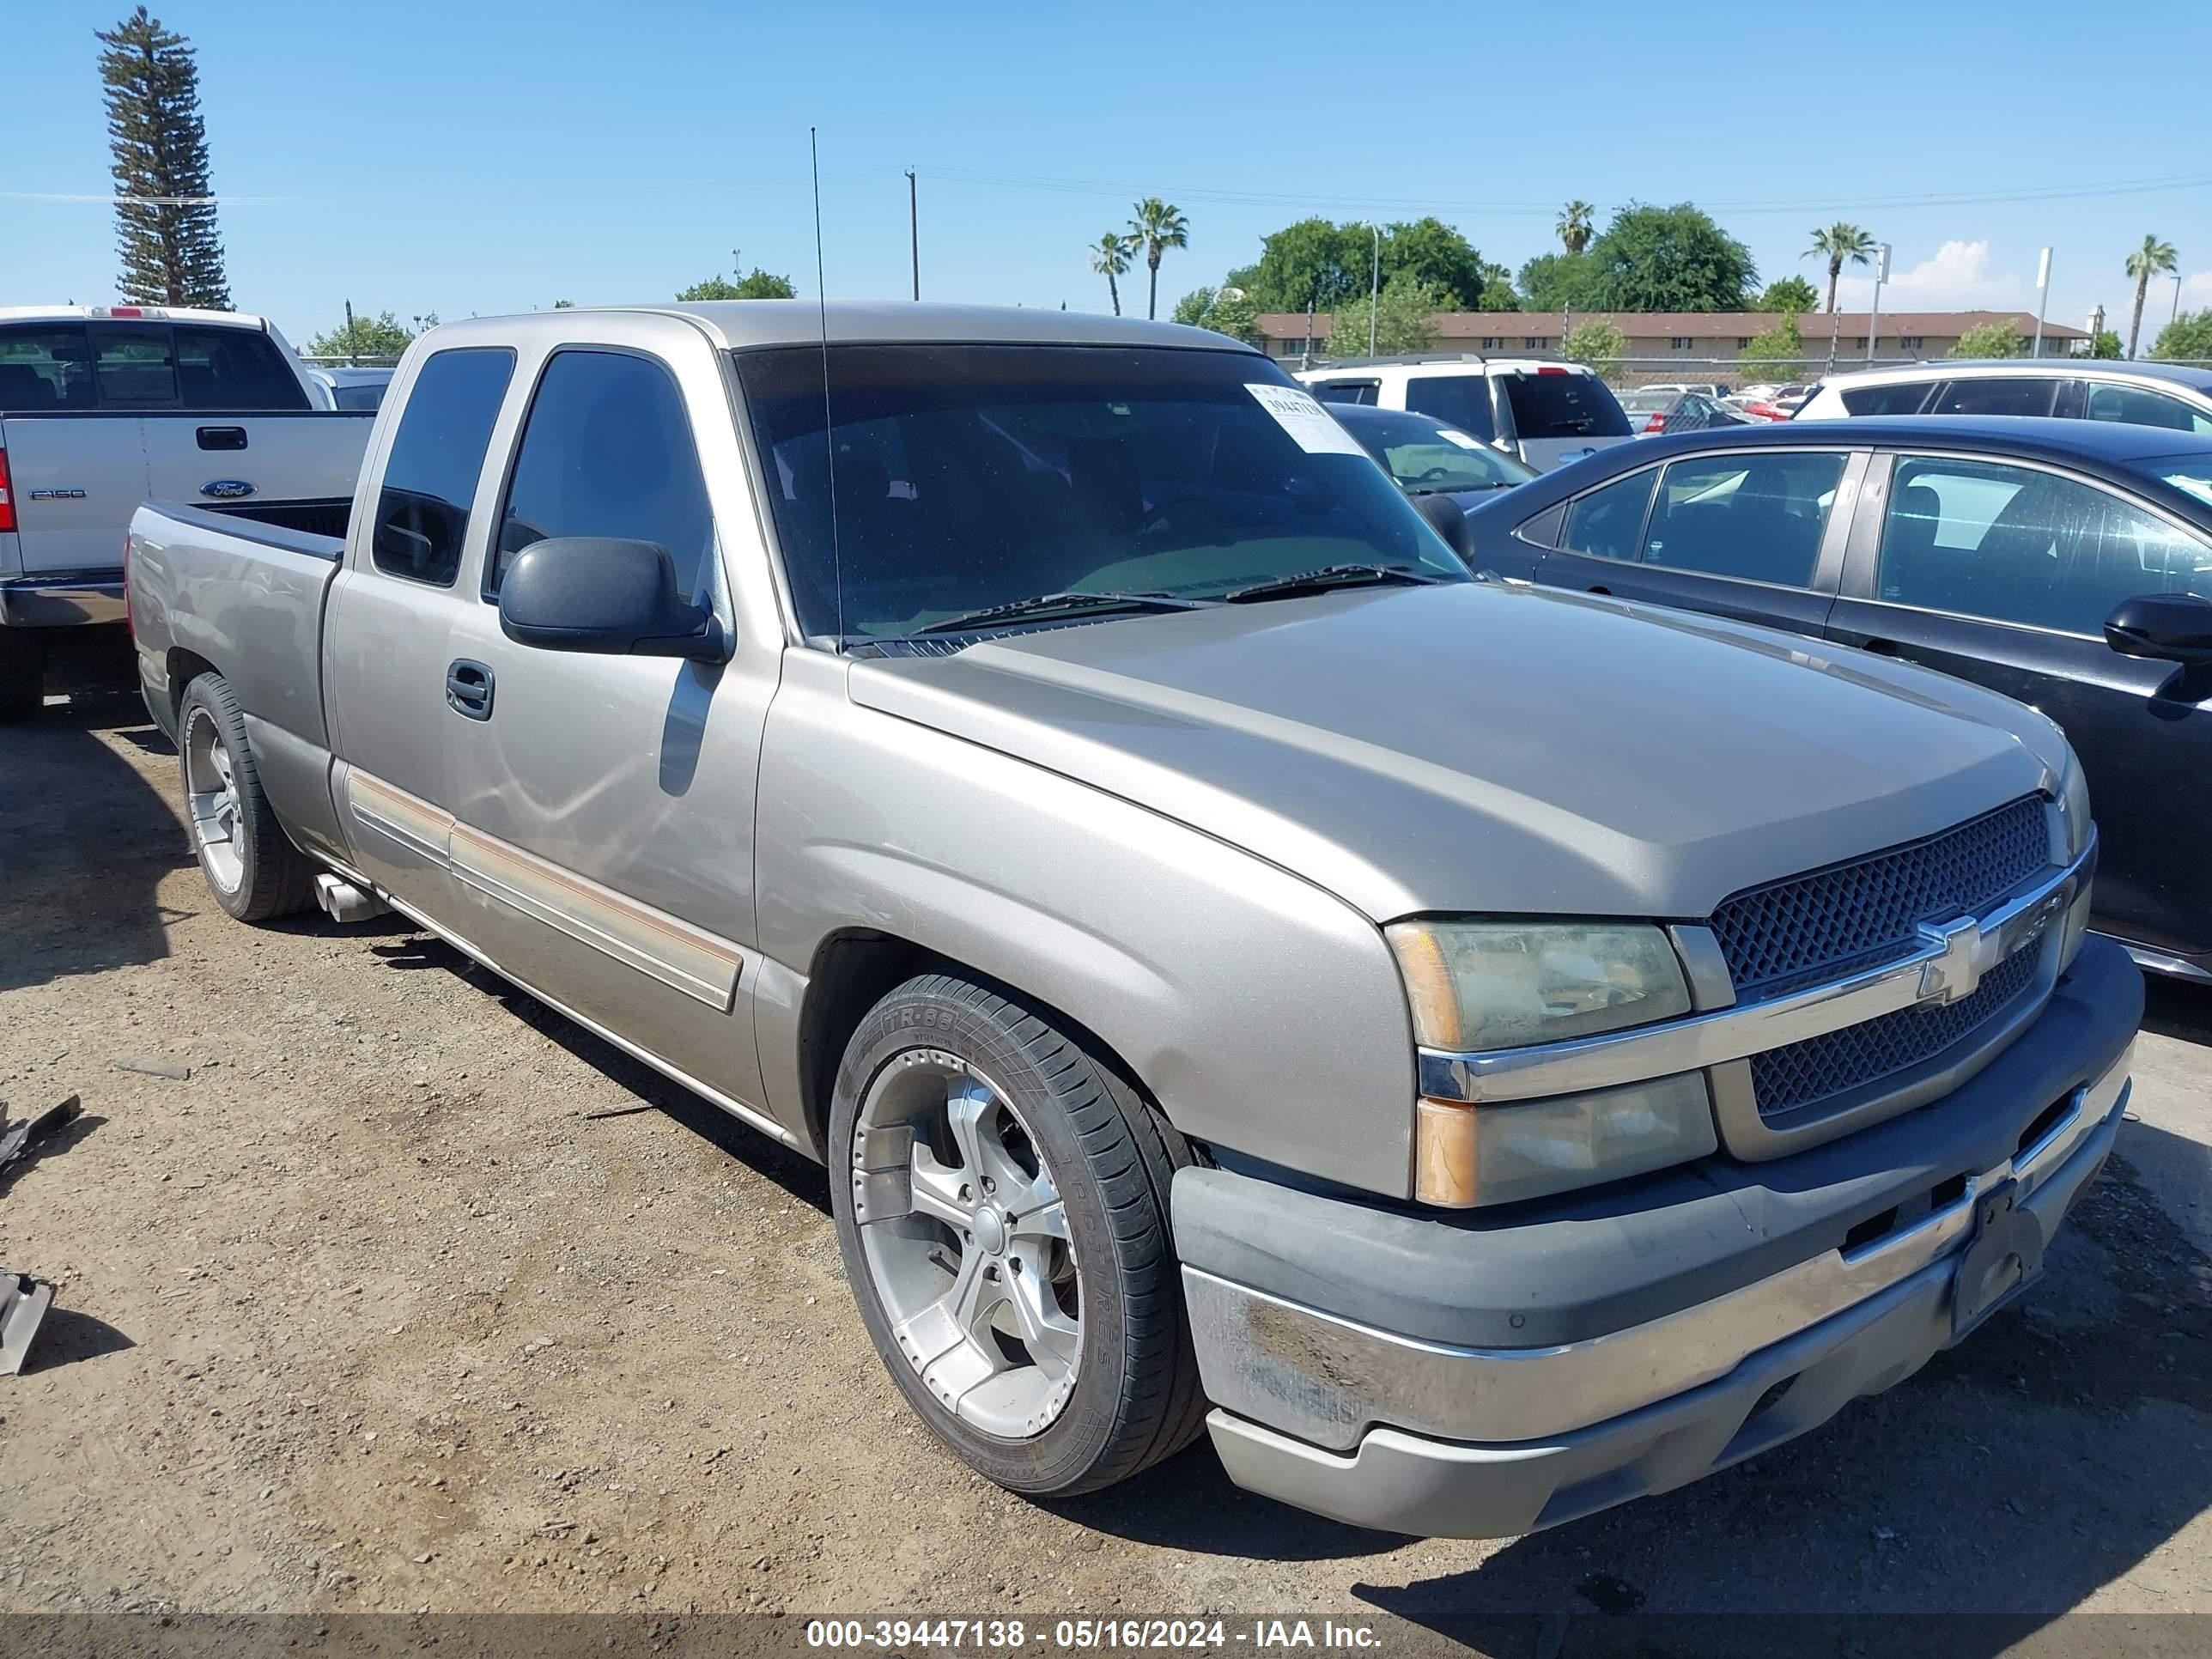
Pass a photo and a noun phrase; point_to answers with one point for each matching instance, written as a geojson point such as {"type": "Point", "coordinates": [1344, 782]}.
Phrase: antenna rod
{"type": "Point", "coordinates": [829, 435]}
{"type": "Point", "coordinates": [914, 229]}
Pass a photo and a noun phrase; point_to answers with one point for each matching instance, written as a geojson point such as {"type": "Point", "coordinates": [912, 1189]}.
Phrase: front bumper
{"type": "Point", "coordinates": [62, 599]}
{"type": "Point", "coordinates": [1482, 1376]}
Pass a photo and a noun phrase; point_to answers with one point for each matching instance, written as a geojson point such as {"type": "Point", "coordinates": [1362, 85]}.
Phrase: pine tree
{"type": "Point", "coordinates": [164, 215]}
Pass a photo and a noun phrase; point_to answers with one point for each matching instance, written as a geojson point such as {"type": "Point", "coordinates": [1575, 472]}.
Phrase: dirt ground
{"type": "Point", "coordinates": [369, 1312]}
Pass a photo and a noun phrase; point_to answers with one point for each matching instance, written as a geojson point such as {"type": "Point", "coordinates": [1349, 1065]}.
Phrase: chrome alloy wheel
{"type": "Point", "coordinates": [966, 1243]}
{"type": "Point", "coordinates": [211, 797]}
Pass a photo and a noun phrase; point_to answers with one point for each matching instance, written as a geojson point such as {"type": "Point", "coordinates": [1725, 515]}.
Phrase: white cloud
{"type": "Point", "coordinates": [1956, 277]}
{"type": "Point", "coordinates": [2195, 292]}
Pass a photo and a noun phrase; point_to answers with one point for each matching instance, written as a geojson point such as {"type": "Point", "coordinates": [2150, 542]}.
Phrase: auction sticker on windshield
{"type": "Point", "coordinates": [1305, 420]}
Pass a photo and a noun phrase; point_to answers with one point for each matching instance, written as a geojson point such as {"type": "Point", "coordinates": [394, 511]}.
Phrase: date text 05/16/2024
{"type": "Point", "coordinates": [1089, 1635]}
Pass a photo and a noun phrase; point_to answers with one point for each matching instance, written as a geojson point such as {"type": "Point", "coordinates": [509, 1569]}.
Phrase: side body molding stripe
{"type": "Point", "coordinates": [685, 958]}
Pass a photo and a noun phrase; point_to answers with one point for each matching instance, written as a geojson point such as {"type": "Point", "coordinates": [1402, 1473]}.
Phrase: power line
{"type": "Point", "coordinates": [1804, 204]}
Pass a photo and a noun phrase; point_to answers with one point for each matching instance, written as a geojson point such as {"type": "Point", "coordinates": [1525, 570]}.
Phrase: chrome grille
{"type": "Point", "coordinates": [1800, 1074]}
{"type": "Point", "coordinates": [1805, 929]}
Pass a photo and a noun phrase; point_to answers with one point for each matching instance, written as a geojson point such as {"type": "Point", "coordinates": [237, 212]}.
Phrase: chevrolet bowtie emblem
{"type": "Point", "coordinates": [1956, 970]}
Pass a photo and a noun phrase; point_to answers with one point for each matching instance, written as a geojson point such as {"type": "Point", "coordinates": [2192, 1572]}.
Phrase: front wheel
{"type": "Point", "coordinates": [1001, 1200]}
{"type": "Point", "coordinates": [252, 869]}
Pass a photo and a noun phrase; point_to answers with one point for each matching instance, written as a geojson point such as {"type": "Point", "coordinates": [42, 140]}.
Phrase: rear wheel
{"type": "Point", "coordinates": [1001, 1200]}
{"type": "Point", "coordinates": [22, 675]}
{"type": "Point", "coordinates": [254, 871]}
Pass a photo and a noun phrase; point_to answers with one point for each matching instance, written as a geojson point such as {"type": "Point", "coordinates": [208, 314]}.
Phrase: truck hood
{"type": "Point", "coordinates": [1481, 747]}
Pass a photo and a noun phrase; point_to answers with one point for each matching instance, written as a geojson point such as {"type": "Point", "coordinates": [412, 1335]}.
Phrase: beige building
{"type": "Point", "coordinates": [1689, 345]}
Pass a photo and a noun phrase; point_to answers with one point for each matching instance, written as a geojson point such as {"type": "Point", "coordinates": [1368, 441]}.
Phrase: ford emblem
{"type": "Point", "coordinates": [227, 489]}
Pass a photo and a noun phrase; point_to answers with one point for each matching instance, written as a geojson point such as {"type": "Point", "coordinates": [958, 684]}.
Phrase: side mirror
{"type": "Point", "coordinates": [2170, 627]}
{"type": "Point", "coordinates": [609, 597]}
{"type": "Point", "coordinates": [1449, 520]}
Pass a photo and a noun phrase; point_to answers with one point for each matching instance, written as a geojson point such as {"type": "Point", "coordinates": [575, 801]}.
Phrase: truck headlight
{"type": "Point", "coordinates": [2074, 816]}
{"type": "Point", "coordinates": [1483, 984]}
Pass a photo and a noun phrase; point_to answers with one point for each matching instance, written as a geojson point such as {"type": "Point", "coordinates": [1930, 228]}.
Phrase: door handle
{"type": "Point", "coordinates": [468, 689]}
{"type": "Point", "coordinates": [221, 437]}
{"type": "Point", "coordinates": [1882, 648]}
{"type": "Point", "coordinates": [1606, 591]}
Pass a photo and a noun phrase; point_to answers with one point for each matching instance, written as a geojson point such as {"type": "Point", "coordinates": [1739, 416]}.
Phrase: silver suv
{"type": "Point", "coordinates": [2136, 394]}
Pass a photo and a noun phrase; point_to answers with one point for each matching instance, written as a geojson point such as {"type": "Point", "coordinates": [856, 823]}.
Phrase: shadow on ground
{"type": "Point", "coordinates": [2178, 1008]}
{"type": "Point", "coordinates": [94, 840]}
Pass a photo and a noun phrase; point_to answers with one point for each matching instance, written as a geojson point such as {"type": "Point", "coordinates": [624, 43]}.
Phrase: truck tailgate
{"type": "Point", "coordinates": [76, 479]}
{"type": "Point", "coordinates": [258, 457]}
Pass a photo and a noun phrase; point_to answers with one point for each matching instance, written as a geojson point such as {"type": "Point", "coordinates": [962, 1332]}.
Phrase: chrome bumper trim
{"type": "Point", "coordinates": [1327, 1379]}
{"type": "Point", "coordinates": [63, 598]}
{"type": "Point", "coordinates": [1949, 962]}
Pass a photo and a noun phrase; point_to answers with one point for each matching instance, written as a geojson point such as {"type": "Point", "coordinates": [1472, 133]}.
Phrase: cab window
{"type": "Point", "coordinates": [437, 454]}
{"type": "Point", "coordinates": [1606, 522]}
{"type": "Point", "coordinates": [1755, 517]}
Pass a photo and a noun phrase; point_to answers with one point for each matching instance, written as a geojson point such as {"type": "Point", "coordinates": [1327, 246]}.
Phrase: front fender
{"type": "Point", "coordinates": [1262, 1013]}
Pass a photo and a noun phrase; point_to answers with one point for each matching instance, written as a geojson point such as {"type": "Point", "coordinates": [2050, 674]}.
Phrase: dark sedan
{"type": "Point", "coordinates": [2065, 563]}
{"type": "Point", "coordinates": [1425, 456]}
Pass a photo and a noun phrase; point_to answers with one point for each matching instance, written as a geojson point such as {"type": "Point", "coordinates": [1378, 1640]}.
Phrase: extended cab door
{"type": "Point", "coordinates": [602, 845]}
{"type": "Point", "coordinates": [2002, 572]}
{"type": "Point", "coordinates": [390, 617]}
{"type": "Point", "coordinates": [1756, 534]}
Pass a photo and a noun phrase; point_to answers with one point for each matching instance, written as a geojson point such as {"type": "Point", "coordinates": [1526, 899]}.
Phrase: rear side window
{"type": "Point", "coordinates": [437, 455]}
{"type": "Point", "coordinates": [1346, 392]}
{"type": "Point", "coordinates": [1757, 517]}
{"type": "Point", "coordinates": [1607, 522]}
{"type": "Point", "coordinates": [233, 370]}
{"type": "Point", "coordinates": [607, 451]}
{"type": "Point", "coordinates": [2004, 395]}
{"type": "Point", "coordinates": [1903, 398]}
{"type": "Point", "coordinates": [1460, 400]}
{"type": "Point", "coordinates": [2133, 406]}
{"type": "Point", "coordinates": [1558, 405]}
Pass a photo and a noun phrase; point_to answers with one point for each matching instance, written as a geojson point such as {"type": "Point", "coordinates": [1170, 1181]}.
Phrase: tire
{"type": "Point", "coordinates": [1087, 1410]}
{"type": "Point", "coordinates": [251, 866]}
{"type": "Point", "coordinates": [22, 676]}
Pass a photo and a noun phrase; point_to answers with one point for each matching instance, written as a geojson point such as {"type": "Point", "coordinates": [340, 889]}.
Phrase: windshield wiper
{"type": "Point", "coordinates": [1057, 605]}
{"type": "Point", "coordinates": [1328, 576]}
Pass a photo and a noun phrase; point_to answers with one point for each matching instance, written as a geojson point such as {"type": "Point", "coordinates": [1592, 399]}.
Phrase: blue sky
{"type": "Point", "coordinates": [481, 156]}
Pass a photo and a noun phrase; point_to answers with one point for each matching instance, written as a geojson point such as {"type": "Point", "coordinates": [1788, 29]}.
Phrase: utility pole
{"type": "Point", "coordinates": [1374, 288]}
{"type": "Point", "coordinates": [1873, 315]}
{"type": "Point", "coordinates": [2175, 313]}
{"type": "Point", "coordinates": [913, 228]}
{"type": "Point", "coordinates": [353, 355]}
{"type": "Point", "coordinates": [2042, 299]}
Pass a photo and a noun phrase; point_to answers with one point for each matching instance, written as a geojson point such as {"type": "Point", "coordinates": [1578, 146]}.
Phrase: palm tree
{"type": "Point", "coordinates": [1158, 227]}
{"type": "Point", "coordinates": [2153, 258]}
{"type": "Point", "coordinates": [1109, 258]}
{"type": "Point", "coordinates": [1837, 243]}
{"type": "Point", "coordinates": [1574, 226]}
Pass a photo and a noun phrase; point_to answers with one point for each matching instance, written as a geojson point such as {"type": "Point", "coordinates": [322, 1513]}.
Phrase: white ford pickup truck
{"type": "Point", "coordinates": [103, 406]}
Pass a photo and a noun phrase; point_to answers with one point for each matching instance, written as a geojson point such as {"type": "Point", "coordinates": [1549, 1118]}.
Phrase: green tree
{"type": "Point", "coordinates": [1109, 258]}
{"type": "Point", "coordinates": [1990, 340]}
{"type": "Point", "coordinates": [1561, 282]}
{"type": "Point", "coordinates": [1776, 354]}
{"type": "Point", "coordinates": [382, 335]}
{"type": "Point", "coordinates": [1156, 227]}
{"type": "Point", "coordinates": [1498, 291]}
{"type": "Point", "coordinates": [1429, 250]}
{"type": "Point", "coordinates": [2187, 339]}
{"type": "Point", "coordinates": [1791, 293]}
{"type": "Point", "coordinates": [564, 305]}
{"type": "Point", "coordinates": [1600, 344]}
{"type": "Point", "coordinates": [1315, 262]}
{"type": "Point", "coordinates": [1577, 221]}
{"type": "Point", "coordinates": [2106, 345]}
{"type": "Point", "coordinates": [760, 285]}
{"type": "Point", "coordinates": [1226, 310]}
{"type": "Point", "coordinates": [1840, 242]}
{"type": "Point", "coordinates": [165, 214]}
{"type": "Point", "coordinates": [1405, 320]}
{"type": "Point", "coordinates": [2153, 258]}
{"type": "Point", "coordinates": [1669, 258]}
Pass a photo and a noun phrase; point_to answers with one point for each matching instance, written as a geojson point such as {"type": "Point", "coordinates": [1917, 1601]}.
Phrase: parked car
{"type": "Point", "coordinates": [1682, 411]}
{"type": "Point", "coordinates": [1540, 413]}
{"type": "Point", "coordinates": [1426, 457]}
{"type": "Point", "coordinates": [2142, 394]}
{"type": "Point", "coordinates": [1791, 398]}
{"type": "Point", "coordinates": [1484, 1054]}
{"type": "Point", "coordinates": [102, 406]}
{"type": "Point", "coordinates": [2065, 563]}
{"type": "Point", "coordinates": [352, 388]}
{"type": "Point", "coordinates": [1713, 389]}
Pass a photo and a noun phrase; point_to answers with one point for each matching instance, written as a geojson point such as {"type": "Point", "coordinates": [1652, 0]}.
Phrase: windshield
{"type": "Point", "coordinates": [969, 476]}
{"type": "Point", "coordinates": [1422, 455]}
{"type": "Point", "coordinates": [1557, 403]}
{"type": "Point", "coordinates": [2191, 474]}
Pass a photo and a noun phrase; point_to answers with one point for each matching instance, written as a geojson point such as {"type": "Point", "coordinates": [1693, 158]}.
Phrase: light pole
{"type": "Point", "coordinates": [1874, 316]}
{"type": "Point", "coordinates": [1374, 287]}
{"type": "Point", "coordinates": [2042, 299]}
{"type": "Point", "coordinates": [2175, 313]}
